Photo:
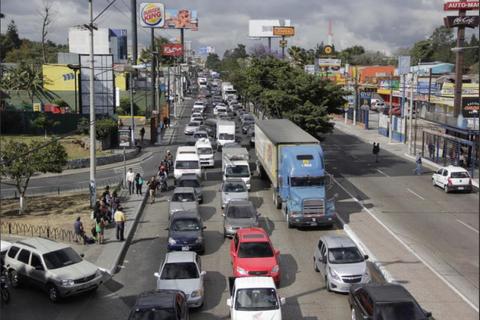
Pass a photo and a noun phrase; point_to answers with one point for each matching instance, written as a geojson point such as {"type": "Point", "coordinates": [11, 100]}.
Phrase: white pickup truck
{"type": "Point", "coordinates": [254, 298]}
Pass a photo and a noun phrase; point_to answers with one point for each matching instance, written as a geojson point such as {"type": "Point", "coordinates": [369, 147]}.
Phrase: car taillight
{"type": "Point", "coordinates": [449, 181]}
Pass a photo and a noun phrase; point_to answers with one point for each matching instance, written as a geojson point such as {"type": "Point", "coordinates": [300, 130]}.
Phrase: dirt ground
{"type": "Point", "coordinates": [58, 211]}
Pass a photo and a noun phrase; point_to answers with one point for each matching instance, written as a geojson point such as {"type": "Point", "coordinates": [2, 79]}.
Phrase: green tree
{"type": "Point", "coordinates": [213, 62]}
{"type": "Point", "coordinates": [146, 54]}
{"type": "Point", "coordinates": [44, 122]}
{"type": "Point", "coordinates": [105, 127]}
{"type": "Point", "coordinates": [20, 161]}
{"type": "Point", "coordinates": [124, 108]}
{"type": "Point", "coordinates": [422, 51]}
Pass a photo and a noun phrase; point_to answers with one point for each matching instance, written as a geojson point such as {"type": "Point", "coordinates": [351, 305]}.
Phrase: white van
{"type": "Point", "coordinates": [205, 152]}
{"type": "Point", "coordinates": [186, 163]}
{"type": "Point", "coordinates": [225, 132]}
{"type": "Point", "coordinates": [186, 150]}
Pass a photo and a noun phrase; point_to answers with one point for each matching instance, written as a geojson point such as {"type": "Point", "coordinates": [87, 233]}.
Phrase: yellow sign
{"type": "Point", "coordinates": [284, 31]}
{"type": "Point", "coordinates": [328, 49]}
{"type": "Point", "coordinates": [37, 107]}
{"type": "Point", "coordinates": [468, 90]}
{"type": "Point", "coordinates": [58, 77]}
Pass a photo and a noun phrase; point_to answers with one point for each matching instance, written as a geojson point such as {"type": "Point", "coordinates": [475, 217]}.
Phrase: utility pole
{"type": "Point", "coordinates": [133, 18]}
{"type": "Point", "coordinates": [131, 108]}
{"type": "Point", "coordinates": [390, 124]}
{"type": "Point", "coordinates": [457, 100]}
{"type": "Point", "coordinates": [410, 115]}
{"type": "Point", "coordinates": [283, 44]}
{"type": "Point", "coordinates": [356, 98]}
{"type": "Point", "coordinates": [153, 73]}
{"type": "Point", "coordinates": [93, 159]}
{"type": "Point", "coordinates": [269, 45]}
{"type": "Point", "coordinates": [182, 41]}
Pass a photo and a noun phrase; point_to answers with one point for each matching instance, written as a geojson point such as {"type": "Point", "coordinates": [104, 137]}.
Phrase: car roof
{"type": "Point", "coordinates": [240, 202]}
{"type": "Point", "coordinates": [180, 256]}
{"type": "Point", "coordinates": [187, 156]}
{"type": "Point", "coordinates": [234, 180]}
{"type": "Point", "coordinates": [41, 244]}
{"type": "Point", "coordinates": [183, 190]}
{"type": "Point", "coordinates": [252, 235]}
{"type": "Point", "coordinates": [192, 122]}
{"type": "Point", "coordinates": [163, 298]}
{"type": "Point", "coordinates": [185, 215]}
{"type": "Point", "coordinates": [337, 241]}
{"type": "Point", "coordinates": [186, 149]}
{"type": "Point", "coordinates": [188, 176]}
{"type": "Point", "coordinates": [455, 169]}
{"type": "Point", "coordinates": [254, 282]}
{"type": "Point", "coordinates": [387, 292]}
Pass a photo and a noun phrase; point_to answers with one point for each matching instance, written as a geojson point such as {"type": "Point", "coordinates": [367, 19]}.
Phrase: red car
{"type": "Point", "coordinates": [253, 254]}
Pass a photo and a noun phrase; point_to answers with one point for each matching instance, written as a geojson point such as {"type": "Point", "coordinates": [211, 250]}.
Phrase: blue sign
{"type": "Point", "coordinates": [163, 87]}
{"type": "Point", "coordinates": [365, 95]}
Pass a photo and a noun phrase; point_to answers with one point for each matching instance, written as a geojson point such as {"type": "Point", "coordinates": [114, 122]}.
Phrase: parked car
{"type": "Point", "coordinates": [253, 254]}
{"type": "Point", "coordinates": [160, 304]}
{"type": "Point", "coordinates": [252, 296]}
{"type": "Point", "coordinates": [182, 271]}
{"type": "Point", "coordinates": [239, 214]}
{"type": "Point", "coordinates": [233, 188]}
{"type": "Point", "coordinates": [191, 180]}
{"type": "Point", "coordinates": [54, 267]}
{"type": "Point", "coordinates": [183, 199]}
{"type": "Point", "coordinates": [191, 127]}
{"type": "Point", "coordinates": [340, 262]}
{"type": "Point", "coordinates": [185, 232]}
{"type": "Point", "coordinates": [384, 301]}
{"type": "Point", "coordinates": [452, 178]}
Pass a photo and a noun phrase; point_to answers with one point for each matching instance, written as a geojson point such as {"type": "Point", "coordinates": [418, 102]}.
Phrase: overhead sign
{"type": "Point", "coordinates": [461, 21]}
{"type": "Point", "coordinates": [284, 31]}
{"type": "Point", "coordinates": [172, 50]}
{"type": "Point", "coordinates": [181, 19]}
{"type": "Point", "coordinates": [152, 15]}
{"type": "Point", "coordinates": [463, 5]}
{"type": "Point", "coordinates": [329, 62]}
{"type": "Point", "coordinates": [471, 107]}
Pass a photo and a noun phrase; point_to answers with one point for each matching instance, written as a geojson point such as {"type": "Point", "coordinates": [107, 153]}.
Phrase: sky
{"type": "Point", "coordinates": [379, 25]}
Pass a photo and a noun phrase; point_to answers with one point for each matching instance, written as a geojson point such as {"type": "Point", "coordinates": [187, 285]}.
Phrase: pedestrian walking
{"type": "Point", "coordinates": [120, 223]}
{"type": "Point", "coordinates": [376, 150]}
{"type": "Point", "coordinates": [152, 187]}
{"type": "Point", "coordinates": [130, 180]}
{"type": "Point", "coordinates": [79, 231]}
{"type": "Point", "coordinates": [418, 162]}
{"type": "Point", "coordinates": [138, 183]}
{"type": "Point", "coordinates": [100, 228]}
{"type": "Point", "coordinates": [142, 134]}
{"type": "Point", "coordinates": [431, 150]}
{"type": "Point", "coordinates": [115, 202]}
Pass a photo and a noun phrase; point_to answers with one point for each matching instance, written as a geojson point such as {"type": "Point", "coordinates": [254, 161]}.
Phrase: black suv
{"type": "Point", "coordinates": [384, 301]}
{"type": "Point", "coordinates": [160, 304]}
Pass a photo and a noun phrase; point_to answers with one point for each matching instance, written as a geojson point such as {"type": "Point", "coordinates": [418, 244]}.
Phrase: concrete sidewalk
{"type": "Point", "coordinates": [398, 148]}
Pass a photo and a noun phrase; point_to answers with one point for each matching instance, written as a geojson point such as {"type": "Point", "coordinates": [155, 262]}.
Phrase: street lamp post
{"type": "Point", "coordinates": [93, 160]}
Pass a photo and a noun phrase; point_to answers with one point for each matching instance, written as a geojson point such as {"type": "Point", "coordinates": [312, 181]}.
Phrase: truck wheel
{"type": "Point", "coordinates": [289, 224]}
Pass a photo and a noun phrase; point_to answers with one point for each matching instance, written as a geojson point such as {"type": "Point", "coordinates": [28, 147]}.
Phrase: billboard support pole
{"type": "Point", "coordinates": [133, 18]}
{"type": "Point", "coordinates": [153, 73]}
{"type": "Point", "coordinates": [269, 44]}
{"type": "Point", "coordinates": [457, 98]}
{"type": "Point", "coordinates": [182, 41]}
{"type": "Point", "coordinates": [93, 160]}
{"type": "Point", "coordinates": [283, 47]}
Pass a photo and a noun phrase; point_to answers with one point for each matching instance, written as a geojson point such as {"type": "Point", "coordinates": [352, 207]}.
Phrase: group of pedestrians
{"type": "Point", "coordinates": [134, 181]}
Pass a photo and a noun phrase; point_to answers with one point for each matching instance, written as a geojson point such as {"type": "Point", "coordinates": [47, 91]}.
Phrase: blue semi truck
{"type": "Point", "coordinates": [293, 161]}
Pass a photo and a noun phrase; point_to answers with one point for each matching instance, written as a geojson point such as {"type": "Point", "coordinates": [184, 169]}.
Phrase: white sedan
{"type": "Point", "coordinates": [452, 178]}
{"type": "Point", "coordinates": [192, 127]}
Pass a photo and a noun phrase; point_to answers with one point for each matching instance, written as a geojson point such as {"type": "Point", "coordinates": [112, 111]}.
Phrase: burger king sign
{"type": "Point", "coordinates": [152, 15]}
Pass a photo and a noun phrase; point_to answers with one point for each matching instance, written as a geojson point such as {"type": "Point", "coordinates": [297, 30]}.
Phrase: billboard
{"type": "Point", "coordinates": [264, 28]}
{"type": "Point", "coordinates": [464, 5]}
{"type": "Point", "coordinates": [172, 50]}
{"type": "Point", "coordinates": [329, 62]}
{"type": "Point", "coordinates": [461, 21]}
{"type": "Point", "coordinates": [471, 107]}
{"type": "Point", "coordinates": [57, 77]}
{"type": "Point", "coordinates": [152, 15]}
{"type": "Point", "coordinates": [284, 31]}
{"type": "Point", "coordinates": [403, 64]}
{"type": "Point", "coordinates": [181, 19]}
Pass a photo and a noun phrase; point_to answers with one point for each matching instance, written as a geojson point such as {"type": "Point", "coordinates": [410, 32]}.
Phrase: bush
{"type": "Point", "coordinates": [105, 127]}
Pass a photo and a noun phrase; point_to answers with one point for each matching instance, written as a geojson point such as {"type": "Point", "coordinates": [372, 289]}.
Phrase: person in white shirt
{"type": "Point", "coordinates": [130, 180]}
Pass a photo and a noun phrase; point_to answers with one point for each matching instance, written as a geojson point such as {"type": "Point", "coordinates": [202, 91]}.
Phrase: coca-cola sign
{"type": "Point", "coordinates": [172, 50]}
{"type": "Point", "coordinates": [461, 5]}
{"type": "Point", "coordinates": [461, 21]}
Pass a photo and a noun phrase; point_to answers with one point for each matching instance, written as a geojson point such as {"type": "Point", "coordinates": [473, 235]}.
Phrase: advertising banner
{"type": "Point", "coordinates": [329, 62]}
{"type": "Point", "coordinates": [124, 137]}
{"type": "Point", "coordinates": [284, 31]}
{"type": "Point", "coordinates": [172, 50]}
{"type": "Point", "coordinates": [264, 28]}
{"type": "Point", "coordinates": [152, 15]}
{"type": "Point", "coordinates": [461, 21]}
{"type": "Point", "coordinates": [464, 5]}
{"type": "Point", "coordinates": [470, 107]}
{"type": "Point", "coordinates": [181, 19]}
{"type": "Point", "coordinates": [403, 64]}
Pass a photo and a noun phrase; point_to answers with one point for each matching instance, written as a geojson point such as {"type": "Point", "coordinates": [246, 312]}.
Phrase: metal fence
{"type": "Point", "coordinates": [30, 230]}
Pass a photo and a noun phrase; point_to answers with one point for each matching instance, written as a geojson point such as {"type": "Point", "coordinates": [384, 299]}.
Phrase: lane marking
{"type": "Point", "coordinates": [468, 226]}
{"type": "Point", "coordinates": [413, 192]}
{"type": "Point", "coordinates": [461, 295]}
{"type": "Point", "coordinates": [386, 175]}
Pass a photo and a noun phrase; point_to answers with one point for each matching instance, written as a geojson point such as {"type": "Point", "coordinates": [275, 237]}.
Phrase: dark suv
{"type": "Point", "coordinates": [384, 301]}
{"type": "Point", "coordinates": [160, 304]}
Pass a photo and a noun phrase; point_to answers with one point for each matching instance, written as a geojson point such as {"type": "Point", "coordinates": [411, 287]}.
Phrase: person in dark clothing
{"type": "Point", "coordinates": [376, 150]}
{"type": "Point", "coordinates": [142, 134]}
{"type": "Point", "coordinates": [138, 183]}
{"type": "Point", "coordinates": [79, 231]}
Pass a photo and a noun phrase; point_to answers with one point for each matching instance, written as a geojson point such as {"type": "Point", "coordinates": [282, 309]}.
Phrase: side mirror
{"type": "Point", "coordinates": [203, 273]}
{"type": "Point", "coordinates": [229, 302]}
{"type": "Point", "coordinates": [82, 255]}
{"type": "Point", "coordinates": [283, 300]}
{"type": "Point", "coordinates": [204, 227]}
{"type": "Point", "coordinates": [156, 275]}
{"type": "Point", "coordinates": [365, 257]}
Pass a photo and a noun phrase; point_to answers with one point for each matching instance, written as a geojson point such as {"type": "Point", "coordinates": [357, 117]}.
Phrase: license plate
{"type": "Point", "coordinates": [313, 223]}
{"type": "Point", "coordinates": [314, 219]}
{"type": "Point", "coordinates": [460, 188]}
{"type": "Point", "coordinates": [185, 248]}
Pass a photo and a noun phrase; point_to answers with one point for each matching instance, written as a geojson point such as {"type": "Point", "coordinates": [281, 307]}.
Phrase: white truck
{"type": "Point", "coordinates": [228, 91]}
{"type": "Point", "coordinates": [225, 132]}
{"type": "Point", "coordinates": [235, 164]}
{"type": "Point", "coordinates": [254, 298]}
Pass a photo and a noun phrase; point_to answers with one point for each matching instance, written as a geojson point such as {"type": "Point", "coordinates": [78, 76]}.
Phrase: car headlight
{"type": "Point", "coordinates": [229, 228]}
{"type": "Point", "coordinates": [333, 274]}
{"type": "Point", "coordinates": [367, 276]}
{"type": "Point", "coordinates": [67, 283]}
{"type": "Point", "coordinates": [171, 241]}
{"type": "Point", "coordinates": [275, 268]}
{"type": "Point", "coordinates": [242, 271]}
{"type": "Point", "coordinates": [199, 240]}
{"type": "Point", "coordinates": [98, 273]}
{"type": "Point", "coordinates": [196, 293]}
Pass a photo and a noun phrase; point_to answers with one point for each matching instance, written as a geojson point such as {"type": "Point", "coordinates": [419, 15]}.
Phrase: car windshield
{"type": "Point", "coordinates": [194, 124]}
{"type": "Point", "coordinates": [459, 175]}
{"type": "Point", "coordinates": [189, 183]}
{"type": "Point", "coordinates": [255, 250]}
{"type": "Point", "coordinates": [406, 310]}
{"type": "Point", "coordinates": [226, 136]}
{"type": "Point", "coordinates": [186, 165]}
{"type": "Point", "coordinates": [204, 151]}
{"type": "Point", "coordinates": [240, 212]}
{"type": "Point", "coordinates": [61, 258]}
{"type": "Point", "coordinates": [344, 255]}
{"type": "Point", "coordinates": [183, 197]}
{"type": "Point", "coordinates": [256, 299]}
{"type": "Point", "coordinates": [186, 225]}
{"type": "Point", "coordinates": [234, 187]}
{"type": "Point", "coordinates": [153, 314]}
{"type": "Point", "coordinates": [307, 181]}
{"type": "Point", "coordinates": [237, 171]}
{"type": "Point", "coordinates": [199, 135]}
{"type": "Point", "coordinates": [179, 270]}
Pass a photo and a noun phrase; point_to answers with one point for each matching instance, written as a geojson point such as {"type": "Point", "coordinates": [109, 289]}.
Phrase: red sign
{"type": "Point", "coordinates": [461, 21]}
{"type": "Point", "coordinates": [172, 50]}
{"type": "Point", "coordinates": [461, 5]}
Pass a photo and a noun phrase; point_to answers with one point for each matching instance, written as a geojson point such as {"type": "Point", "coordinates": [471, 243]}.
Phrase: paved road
{"type": "Point", "coordinates": [441, 228]}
